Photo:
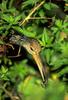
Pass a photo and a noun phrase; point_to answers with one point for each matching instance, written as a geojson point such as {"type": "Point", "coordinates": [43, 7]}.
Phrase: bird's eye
{"type": "Point", "coordinates": [32, 48]}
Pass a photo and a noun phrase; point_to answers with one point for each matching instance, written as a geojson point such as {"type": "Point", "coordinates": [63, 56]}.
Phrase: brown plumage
{"type": "Point", "coordinates": [33, 47]}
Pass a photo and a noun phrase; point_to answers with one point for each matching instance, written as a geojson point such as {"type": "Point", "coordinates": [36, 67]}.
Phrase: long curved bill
{"type": "Point", "coordinates": [39, 64]}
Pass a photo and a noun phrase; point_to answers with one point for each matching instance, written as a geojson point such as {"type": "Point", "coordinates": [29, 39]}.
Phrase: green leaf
{"type": "Point", "coordinates": [4, 70]}
{"type": "Point", "coordinates": [33, 89]}
{"type": "Point", "coordinates": [50, 6]}
{"type": "Point", "coordinates": [1, 28]}
{"type": "Point", "coordinates": [18, 70]}
{"type": "Point", "coordinates": [45, 37]}
{"type": "Point", "coordinates": [54, 29]}
{"type": "Point", "coordinates": [41, 13]}
{"type": "Point", "coordinates": [13, 11]}
{"type": "Point", "coordinates": [21, 70]}
{"type": "Point", "coordinates": [58, 23]}
{"type": "Point", "coordinates": [8, 18]}
{"type": "Point", "coordinates": [29, 2]}
{"type": "Point", "coordinates": [63, 71]}
{"type": "Point", "coordinates": [24, 31]}
{"type": "Point", "coordinates": [48, 54]}
{"type": "Point", "coordinates": [64, 49]}
{"type": "Point", "coordinates": [57, 62]}
{"type": "Point", "coordinates": [55, 90]}
{"type": "Point", "coordinates": [17, 18]}
{"type": "Point", "coordinates": [11, 3]}
{"type": "Point", "coordinates": [3, 5]}
{"type": "Point", "coordinates": [1, 42]}
{"type": "Point", "coordinates": [46, 41]}
{"type": "Point", "coordinates": [3, 73]}
{"type": "Point", "coordinates": [47, 6]}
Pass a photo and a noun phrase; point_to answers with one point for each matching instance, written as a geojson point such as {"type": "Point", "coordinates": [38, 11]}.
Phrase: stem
{"type": "Point", "coordinates": [31, 12]}
{"type": "Point", "coordinates": [39, 18]}
{"type": "Point", "coordinates": [10, 94]}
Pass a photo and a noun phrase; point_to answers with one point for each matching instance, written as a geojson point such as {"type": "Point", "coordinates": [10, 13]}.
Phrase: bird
{"type": "Point", "coordinates": [33, 47]}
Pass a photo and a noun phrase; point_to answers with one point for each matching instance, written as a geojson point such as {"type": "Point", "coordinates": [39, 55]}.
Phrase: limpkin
{"type": "Point", "coordinates": [33, 47]}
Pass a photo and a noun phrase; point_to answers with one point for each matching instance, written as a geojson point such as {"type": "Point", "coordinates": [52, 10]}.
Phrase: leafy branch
{"type": "Point", "coordinates": [31, 12]}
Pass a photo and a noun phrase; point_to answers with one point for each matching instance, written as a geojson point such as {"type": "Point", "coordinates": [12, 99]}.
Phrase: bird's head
{"type": "Point", "coordinates": [30, 44]}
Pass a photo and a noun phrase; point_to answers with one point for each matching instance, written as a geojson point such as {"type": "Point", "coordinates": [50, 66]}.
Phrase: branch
{"type": "Point", "coordinates": [10, 94]}
{"type": "Point", "coordinates": [39, 18]}
{"type": "Point", "coordinates": [31, 12]}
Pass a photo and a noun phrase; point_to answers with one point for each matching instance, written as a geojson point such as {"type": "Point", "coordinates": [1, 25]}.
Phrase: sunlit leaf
{"type": "Point", "coordinates": [24, 31]}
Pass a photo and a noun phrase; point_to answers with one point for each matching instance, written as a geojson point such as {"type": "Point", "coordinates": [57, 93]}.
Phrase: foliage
{"type": "Point", "coordinates": [36, 19]}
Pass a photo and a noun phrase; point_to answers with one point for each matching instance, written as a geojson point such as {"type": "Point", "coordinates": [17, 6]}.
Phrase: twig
{"type": "Point", "coordinates": [10, 94]}
{"type": "Point", "coordinates": [39, 18]}
{"type": "Point", "coordinates": [10, 45]}
{"type": "Point", "coordinates": [31, 12]}
{"type": "Point", "coordinates": [19, 51]}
